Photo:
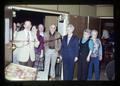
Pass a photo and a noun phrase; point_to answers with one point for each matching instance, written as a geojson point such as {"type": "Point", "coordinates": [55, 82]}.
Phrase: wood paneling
{"type": "Point", "coordinates": [94, 23]}
{"type": "Point", "coordinates": [80, 23]}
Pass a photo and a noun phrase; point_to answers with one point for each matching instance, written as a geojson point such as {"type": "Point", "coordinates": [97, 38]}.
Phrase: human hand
{"type": "Point", "coordinates": [88, 59]}
{"type": "Point", "coordinates": [76, 58]}
{"type": "Point", "coordinates": [41, 55]}
{"type": "Point", "coordinates": [60, 57]}
{"type": "Point", "coordinates": [100, 58]}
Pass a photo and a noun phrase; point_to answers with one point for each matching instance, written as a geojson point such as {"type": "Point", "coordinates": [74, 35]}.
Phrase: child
{"type": "Point", "coordinates": [96, 56]}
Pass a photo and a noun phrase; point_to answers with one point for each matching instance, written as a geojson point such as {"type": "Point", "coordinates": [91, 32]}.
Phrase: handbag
{"type": "Point", "coordinates": [58, 66]}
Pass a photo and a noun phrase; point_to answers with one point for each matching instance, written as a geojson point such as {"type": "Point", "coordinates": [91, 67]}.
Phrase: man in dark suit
{"type": "Point", "coordinates": [69, 53]}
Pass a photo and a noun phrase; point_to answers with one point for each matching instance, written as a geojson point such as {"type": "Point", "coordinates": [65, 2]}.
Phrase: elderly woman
{"type": "Point", "coordinates": [86, 47]}
{"type": "Point", "coordinates": [95, 57]}
{"type": "Point", "coordinates": [69, 52]}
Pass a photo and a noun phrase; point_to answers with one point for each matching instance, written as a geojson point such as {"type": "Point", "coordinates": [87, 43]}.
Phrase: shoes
{"type": "Point", "coordinates": [51, 79]}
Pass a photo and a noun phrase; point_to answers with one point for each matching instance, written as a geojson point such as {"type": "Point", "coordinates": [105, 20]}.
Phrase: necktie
{"type": "Point", "coordinates": [28, 36]}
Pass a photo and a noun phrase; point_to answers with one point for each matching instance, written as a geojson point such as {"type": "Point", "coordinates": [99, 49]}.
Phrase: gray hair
{"type": "Point", "coordinates": [87, 30]}
{"type": "Point", "coordinates": [70, 26]}
{"type": "Point", "coordinates": [94, 30]}
{"type": "Point", "coordinates": [52, 25]}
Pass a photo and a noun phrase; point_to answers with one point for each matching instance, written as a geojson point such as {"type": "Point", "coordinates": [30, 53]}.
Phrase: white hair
{"type": "Point", "coordinates": [87, 30]}
{"type": "Point", "coordinates": [70, 26]}
{"type": "Point", "coordinates": [94, 31]}
{"type": "Point", "coordinates": [52, 25]}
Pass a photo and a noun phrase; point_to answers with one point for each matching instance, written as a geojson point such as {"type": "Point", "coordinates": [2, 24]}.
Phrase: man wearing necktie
{"type": "Point", "coordinates": [26, 44]}
{"type": "Point", "coordinates": [69, 52]}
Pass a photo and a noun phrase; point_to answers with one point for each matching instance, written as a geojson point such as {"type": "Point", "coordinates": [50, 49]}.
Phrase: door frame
{"type": "Point", "coordinates": [61, 13]}
{"type": "Point", "coordinates": [18, 7]}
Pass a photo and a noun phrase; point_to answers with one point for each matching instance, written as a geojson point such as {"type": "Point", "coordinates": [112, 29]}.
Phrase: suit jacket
{"type": "Point", "coordinates": [26, 50]}
{"type": "Point", "coordinates": [70, 51]}
{"type": "Point", "coordinates": [57, 42]}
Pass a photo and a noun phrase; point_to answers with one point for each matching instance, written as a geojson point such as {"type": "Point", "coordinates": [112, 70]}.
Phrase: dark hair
{"type": "Point", "coordinates": [22, 27]}
{"type": "Point", "coordinates": [43, 27]}
{"type": "Point", "coordinates": [57, 28]}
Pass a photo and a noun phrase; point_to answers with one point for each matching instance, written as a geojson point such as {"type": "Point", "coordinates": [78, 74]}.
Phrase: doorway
{"type": "Point", "coordinates": [36, 18]}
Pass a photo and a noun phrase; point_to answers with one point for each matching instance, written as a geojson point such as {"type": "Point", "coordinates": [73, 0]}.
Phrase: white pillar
{"type": "Point", "coordinates": [7, 30]}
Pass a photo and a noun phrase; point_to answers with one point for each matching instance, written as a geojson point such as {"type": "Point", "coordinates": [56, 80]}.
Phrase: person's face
{"type": "Point", "coordinates": [18, 24]}
{"type": "Point", "coordinates": [27, 25]}
{"type": "Point", "coordinates": [41, 28]}
{"type": "Point", "coordinates": [34, 29]}
{"type": "Point", "coordinates": [52, 28]}
{"type": "Point", "coordinates": [94, 34]}
{"type": "Point", "coordinates": [69, 30]}
{"type": "Point", "coordinates": [14, 26]}
{"type": "Point", "coordinates": [86, 35]}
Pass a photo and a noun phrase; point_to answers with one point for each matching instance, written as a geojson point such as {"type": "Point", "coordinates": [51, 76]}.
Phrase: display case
{"type": "Point", "coordinates": [19, 72]}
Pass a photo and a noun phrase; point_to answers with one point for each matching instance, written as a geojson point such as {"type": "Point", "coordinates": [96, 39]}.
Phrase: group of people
{"type": "Point", "coordinates": [32, 42]}
{"type": "Point", "coordinates": [87, 51]}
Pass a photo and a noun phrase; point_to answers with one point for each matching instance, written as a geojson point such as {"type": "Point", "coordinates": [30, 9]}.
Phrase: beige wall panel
{"type": "Point", "coordinates": [86, 10]}
{"type": "Point", "coordinates": [47, 7]}
{"type": "Point", "coordinates": [82, 10]}
{"type": "Point", "coordinates": [72, 9]}
{"type": "Point", "coordinates": [104, 11]}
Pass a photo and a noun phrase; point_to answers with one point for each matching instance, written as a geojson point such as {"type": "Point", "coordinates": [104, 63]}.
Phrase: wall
{"type": "Point", "coordinates": [86, 10]}
{"type": "Point", "coordinates": [50, 20]}
{"type": "Point", "coordinates": [104, 10]}
{"type": "Point", "coordinates": [82, 10]}
{"type": "Point", "coordinates": [72, 9]}
{"type": "Point", "coordinates": [8, 24]}
{"type": "Point", "coordinates": [48, 7]}
{"type": "Point", "coordinates": [79, 10]}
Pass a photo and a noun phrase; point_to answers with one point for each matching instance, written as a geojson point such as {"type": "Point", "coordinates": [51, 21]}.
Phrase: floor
{"type": "Point", "coordinates": [42, 76]}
